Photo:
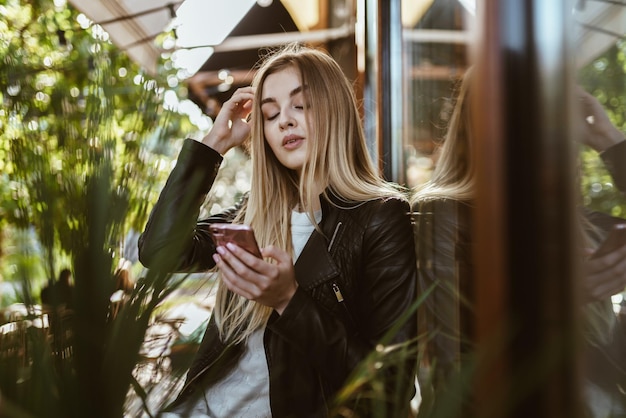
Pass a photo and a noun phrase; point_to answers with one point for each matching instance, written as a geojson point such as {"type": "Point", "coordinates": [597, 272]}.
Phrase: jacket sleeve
{"type": "Point", "coordinates": [173, 239]}
{"type": "Point", "coordinates": [443, 248]}
{"type": "Point", "coordinates": [387, 288]}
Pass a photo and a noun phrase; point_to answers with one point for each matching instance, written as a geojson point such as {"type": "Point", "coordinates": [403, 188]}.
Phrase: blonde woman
{"type": "Point", "coordinates": [338, 267]}
{"type": "Point", "coordinates": [443, 225]}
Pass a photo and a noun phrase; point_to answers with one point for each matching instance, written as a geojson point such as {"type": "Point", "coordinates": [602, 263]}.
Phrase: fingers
{"type": "Point", "coordinates": [232, 282]}
{"type": "Point", "coordinates": [243, 272]}
{"type": "Point", "coordinates": [237, 108]}
{"type": "Point", "coordinates": [271, 284]}
{"type": "Point", "coordinates": [241, 260]}
{"type": "Point", "coordinates": [230, 128]}
{"type": "Point", "coordinates": [240, 103]}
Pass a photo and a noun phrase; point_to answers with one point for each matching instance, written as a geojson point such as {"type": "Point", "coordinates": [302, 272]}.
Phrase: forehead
{"type": "Point", "coordinates": [281, 83]}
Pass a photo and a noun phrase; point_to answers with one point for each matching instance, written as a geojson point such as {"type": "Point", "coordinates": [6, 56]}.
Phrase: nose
{"type": "Point", "coordinates": [286, 120]}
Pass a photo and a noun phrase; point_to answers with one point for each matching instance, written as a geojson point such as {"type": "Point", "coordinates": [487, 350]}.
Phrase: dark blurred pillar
{"type": "Point", "coordinates": [383, 85]}
{"type": "Point", "coordinates": [525, 226]}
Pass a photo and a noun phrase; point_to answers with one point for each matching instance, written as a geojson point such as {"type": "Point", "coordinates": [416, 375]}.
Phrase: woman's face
{"type": "Point", "coordinates": [284, 117]}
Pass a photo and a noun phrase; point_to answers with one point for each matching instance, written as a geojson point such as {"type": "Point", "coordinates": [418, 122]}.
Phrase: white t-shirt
{"type": "Point", "coordinates": [244, 391]}
{"type": "Point", "coordinates": [301, 230]}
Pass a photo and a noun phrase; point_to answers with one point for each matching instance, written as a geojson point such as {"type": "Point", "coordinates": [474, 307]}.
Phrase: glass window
{"type": "Point", "coordinates": [543, 257]}
{"type": "Point", "coordinates": [435, 36]}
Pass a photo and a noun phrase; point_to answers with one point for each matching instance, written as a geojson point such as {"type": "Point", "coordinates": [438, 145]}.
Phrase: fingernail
{"type": "Point", "coordinates": [220, 250]}
{"type": "Point", "coordinates": [231, 246]}
{"type": "Point", "coordinates": [216, 258]}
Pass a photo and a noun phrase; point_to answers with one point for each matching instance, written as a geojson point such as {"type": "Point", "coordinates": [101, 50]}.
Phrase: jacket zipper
{"type": "Point", "coordinates": [332, 239]}
{"type": "Point", "coordinates": [337, 291]}
{"type": "Point", "coordinates": [341, 300]}
{"type": "Point", "coordinates": [335, 286]}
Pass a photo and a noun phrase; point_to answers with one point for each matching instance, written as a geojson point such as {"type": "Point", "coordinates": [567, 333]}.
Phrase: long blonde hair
{"type": "Point", "coordinates": [454, 176]}
{"type": "Point", "coordinates": [339, 163]}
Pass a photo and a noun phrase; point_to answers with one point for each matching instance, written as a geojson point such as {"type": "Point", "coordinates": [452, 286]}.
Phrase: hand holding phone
{"type": "Point", "coordinates": [270, 283]}
{"type": "Point", "coordinates": [239, 234]}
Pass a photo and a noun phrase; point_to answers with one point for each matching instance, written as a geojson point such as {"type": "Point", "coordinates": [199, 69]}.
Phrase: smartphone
{"type": "Point", "coordinates": [615, 239]}
{"type": "Point", "coordinates": [239, 234]}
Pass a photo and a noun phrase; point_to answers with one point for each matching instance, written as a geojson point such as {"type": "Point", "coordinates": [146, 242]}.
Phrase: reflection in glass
{"type": "Point", "coordinates": [436, 58]}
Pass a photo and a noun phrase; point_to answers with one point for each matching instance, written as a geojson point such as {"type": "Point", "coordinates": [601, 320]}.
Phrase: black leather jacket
{"type": "Point", "coordinates": [366, 253]}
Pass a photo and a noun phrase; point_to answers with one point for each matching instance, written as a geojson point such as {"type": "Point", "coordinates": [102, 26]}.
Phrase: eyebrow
{"type": "Point", "coordinates": [292, 93]}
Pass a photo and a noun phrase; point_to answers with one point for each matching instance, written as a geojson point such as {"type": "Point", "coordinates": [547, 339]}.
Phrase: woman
{"type": "Point", "coordinates": [284, 337]}
{"type": "Point", "coordinates": [443, 208]}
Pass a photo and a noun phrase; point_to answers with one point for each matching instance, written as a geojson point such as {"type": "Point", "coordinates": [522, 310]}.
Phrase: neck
{"type": "Point", "coordinates": [316, 205]}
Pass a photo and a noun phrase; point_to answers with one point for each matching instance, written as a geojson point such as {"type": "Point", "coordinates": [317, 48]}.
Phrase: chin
{"type": "Point", "coordinates": [293, 165]}
{"type": "Point", "coordinates": [294, 168]}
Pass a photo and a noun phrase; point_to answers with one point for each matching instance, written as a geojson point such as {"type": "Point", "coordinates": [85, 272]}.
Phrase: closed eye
{"type": "Point", "coordinates": [272, 117]}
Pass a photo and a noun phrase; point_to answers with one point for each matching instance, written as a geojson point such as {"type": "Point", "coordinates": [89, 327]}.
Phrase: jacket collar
{"type": "Point", "coordinates": [315, 264]}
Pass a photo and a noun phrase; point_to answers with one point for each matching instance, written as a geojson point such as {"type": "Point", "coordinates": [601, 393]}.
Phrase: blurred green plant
{"type": "Point", "coordinates": [75, 111]}
{"type": "Point", "coordinates": [84, 139]}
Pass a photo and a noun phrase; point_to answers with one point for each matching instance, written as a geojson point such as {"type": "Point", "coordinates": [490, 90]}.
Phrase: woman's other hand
{"type": "Point", "coordinates": [270, 284]}
{"type": "Point", "coordinates": [230, 127]}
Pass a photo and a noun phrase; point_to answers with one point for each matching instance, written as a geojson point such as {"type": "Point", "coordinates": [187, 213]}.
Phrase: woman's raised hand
{"type": "Point", "coordinates": [598, 131]}
{"type": "Point", "coordinates": [270, 284]}
{"type": "Point", "coordinates": [230, 127]}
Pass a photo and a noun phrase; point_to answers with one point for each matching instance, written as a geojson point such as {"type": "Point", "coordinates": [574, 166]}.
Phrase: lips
{"type": "Point", "coordinates": [292, 141]}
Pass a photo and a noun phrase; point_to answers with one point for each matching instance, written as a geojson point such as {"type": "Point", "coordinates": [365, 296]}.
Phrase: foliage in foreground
{"type": "Point", "coordinates": [82, 145]}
